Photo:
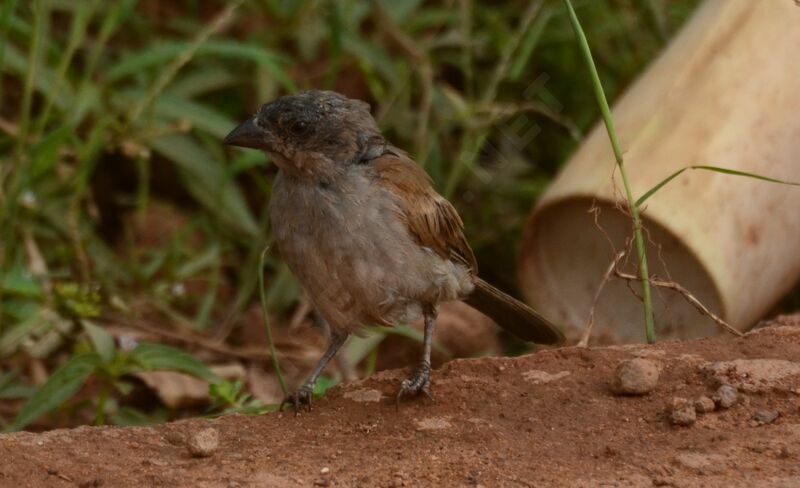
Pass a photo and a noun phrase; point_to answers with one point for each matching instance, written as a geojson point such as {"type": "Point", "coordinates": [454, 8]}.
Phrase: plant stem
{"type": "Point", "coordinates": [644, 274]}
{"type": "Point", "coordinates": [275, 364]}
{"type": "Point", "coordinates": [100, 413]}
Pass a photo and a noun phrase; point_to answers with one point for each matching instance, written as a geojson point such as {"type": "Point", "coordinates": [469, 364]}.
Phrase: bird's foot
{"type": "Point", "coordinates": [419, 383]}
{"type": "Point", "coordinates": [300, 399]}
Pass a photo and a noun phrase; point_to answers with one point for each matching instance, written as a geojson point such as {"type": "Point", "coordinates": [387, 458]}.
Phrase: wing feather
{"type": "Point", "coordinates": [432, 220]}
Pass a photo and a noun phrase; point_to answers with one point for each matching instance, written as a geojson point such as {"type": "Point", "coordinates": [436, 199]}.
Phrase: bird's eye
{"type": "Point", "coordinates": [299, 128]}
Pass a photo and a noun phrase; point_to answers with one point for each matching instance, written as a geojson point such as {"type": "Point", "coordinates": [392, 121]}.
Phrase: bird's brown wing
{"type": "Point", "coordinates": [431, 219]}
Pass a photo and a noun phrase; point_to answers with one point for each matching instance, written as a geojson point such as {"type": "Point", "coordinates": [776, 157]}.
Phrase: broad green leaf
{"type": "Point", "coordinates": [18, 309]}
{"type": "Point", "coordinates": [153, 357]}
{"type": "Point", "coordinates": [201, 116]}
{"type": "Point", "coordinates": [207, 182]}
{"type": "Point", "coordinates": [18, 281]}
{"type": "Point", "coordinates": [716, 169]}
{"type": "Point", "coordinates": [60, 387]}
{"type": "Point", "coordinates": [200, 82]}
{"type": "Point", "coordinates": [101, 340]}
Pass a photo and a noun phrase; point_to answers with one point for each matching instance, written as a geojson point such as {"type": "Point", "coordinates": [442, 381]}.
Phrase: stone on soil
{"type": "Point", "coordinates": [704, 405]}
{"type": "Point", "coordinates": [204, 443]}
{"type": "Point", "coordinates": [635, 377]}
{"type": "Point", "coordinates": [682, 412]}
{"type": "Point", "coordinates": [726, 396]}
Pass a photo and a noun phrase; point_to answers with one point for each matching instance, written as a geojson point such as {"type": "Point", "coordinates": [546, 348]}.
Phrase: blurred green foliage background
{"type": "Point", "coordinates": [121, 210]}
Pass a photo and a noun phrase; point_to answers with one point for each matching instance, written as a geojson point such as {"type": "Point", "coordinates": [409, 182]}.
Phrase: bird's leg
{"type": "Point", "coordinates": [421, 381]}
{"type": "Point", "coordinates": [304, 395]}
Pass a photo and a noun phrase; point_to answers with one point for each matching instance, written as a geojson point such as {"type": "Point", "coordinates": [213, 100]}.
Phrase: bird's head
{"type": "Point", "coordinates": [311, 134]}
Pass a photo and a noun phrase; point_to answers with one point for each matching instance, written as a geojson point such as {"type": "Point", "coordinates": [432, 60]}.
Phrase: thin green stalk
{"type": "Point", "coordinates": [77, 34]}
{"type": "Point", "coordinates": [39, 23]}
{"type": "Point", "coordinates": [644, 274]}
{"type": "Point", "coordinates": [275, 363]}
{"type": "Point", "coordinates": [171, 70]}
{"type": "Point", "coordinates": [5, 19]}
{"type": "Point", "coordinates": [100, 412]}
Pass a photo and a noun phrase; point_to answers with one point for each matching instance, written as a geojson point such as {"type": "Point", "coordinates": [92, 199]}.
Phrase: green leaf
{"type": "Point", "coordinates": [201, 116]}
{"type": "Point", "coordinates": [323, 384]}
{"type": "Point", "coordinates": [60, 387]}
{"type": "Point", "coordinates": [198, 83]}
{"type": "Point", "coordinates": [360, 346]}
{"type": "Point", "coordinates": [663, 182]}
{"type": "Point", "coordinates": [18, 281]}
{"type": "Point", "coordinates": [46, 152]}
{"type": "Point", "coordinates": [153, 357]}
{"type": "Point", "coordinates": [15, 63]}
{"type": "Point", "coordinates": [207, 182]}
{"type": "Point", "coordinates": [716, 169]}
{"type": "Point", "coordinates": [413, 334]}
{"type": "Point", "coordinates": [11, 389]}
{"type": "Point", "coordinates": [157, 56]}
{"type": "Point", "coordinates": [102, 341]}
{"type": "Point", "coordinates": [131, 417]}
{"type": "Point", "coordinates": [39, 323]}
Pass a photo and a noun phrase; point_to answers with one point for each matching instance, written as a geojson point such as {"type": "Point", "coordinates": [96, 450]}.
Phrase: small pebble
{"type": "Point", "coordinates": [726, 396]}
{"type": "Point", "coordinates": [766, 416]}
{"type": "Point", "coordinates": [635, 377]}
{"type": "Point", "coordinates": [682, 412]}
{"type": "Point", "coordinates": [704, 404]}
{"type": "Point", "coordinates": [325, 470]}
{"type": "Point", "coordinates": [204, 443]}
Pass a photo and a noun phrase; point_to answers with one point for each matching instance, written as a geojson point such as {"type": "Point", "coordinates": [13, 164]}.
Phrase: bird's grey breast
{"type": "Point", "coordinates": [350, 246]}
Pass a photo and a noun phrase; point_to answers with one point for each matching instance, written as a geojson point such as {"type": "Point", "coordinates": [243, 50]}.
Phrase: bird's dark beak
{"type": "Point", "coordinates": [247, 134]}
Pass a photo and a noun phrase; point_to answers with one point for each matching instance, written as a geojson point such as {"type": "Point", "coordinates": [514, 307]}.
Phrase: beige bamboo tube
{"type": "Point", "coordinates": [726, 92]}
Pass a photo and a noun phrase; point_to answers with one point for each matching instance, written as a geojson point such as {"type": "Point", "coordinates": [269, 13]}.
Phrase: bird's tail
{"type": "Point", "coordinates": [513, 315]}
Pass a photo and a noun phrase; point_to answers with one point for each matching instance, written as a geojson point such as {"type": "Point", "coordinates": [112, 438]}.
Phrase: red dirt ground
{"type": "Point", "coordinates": [546, 419]}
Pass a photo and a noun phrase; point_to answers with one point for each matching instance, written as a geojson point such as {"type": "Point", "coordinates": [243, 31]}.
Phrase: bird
{"type": "Point", "coordinates": [362, 228]}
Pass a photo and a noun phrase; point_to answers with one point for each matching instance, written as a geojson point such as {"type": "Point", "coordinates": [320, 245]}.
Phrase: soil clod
{"type": "Point", "coordinates": [766, 416]}
{"type": "Point", "coordinates": [635, 377]}
{"type": "Point", "coordinates": [682, 412]}
{"type": "Point", "coordinates": [726, 396]}
{"type": "Point", "coordinates": [704, 405]}
{"type": "Point", "coordinates": [204, 443]}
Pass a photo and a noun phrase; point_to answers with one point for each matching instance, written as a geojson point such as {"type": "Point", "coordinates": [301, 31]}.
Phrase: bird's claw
{"type": "Point", "coordinates": [300, 399]}
{"type": "Point", "coordinates": [419, 383]}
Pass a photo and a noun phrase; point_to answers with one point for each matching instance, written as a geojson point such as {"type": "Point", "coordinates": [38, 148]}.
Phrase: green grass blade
{"type": "Point", "coordinates": [734, 172]}
{"type": "Point", "coordinates": [170, 71]}
{"type": "Point", "coordinates": [267, 327]}
{"type": "Point", "coordinates": [716, 169]}
{"type": "Point", "coordinates": [102, 341]}
{"type": "Point", "coordinates": [34, 54]}
{"type": "Point", "coordinates": [5, 19]}
{"type": "Point", "coordinates": [78, 30]}
{"type": "Point", "coordinates": [207, 181]}
{"type": "Point", "coordinates": [644, 273]}
{"type": "Point", "coordinates": [60, 387]}
{"type": "Point", "coordinates": [663, 182]}
{"type": "Point", "coordinates": [158, 357]}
